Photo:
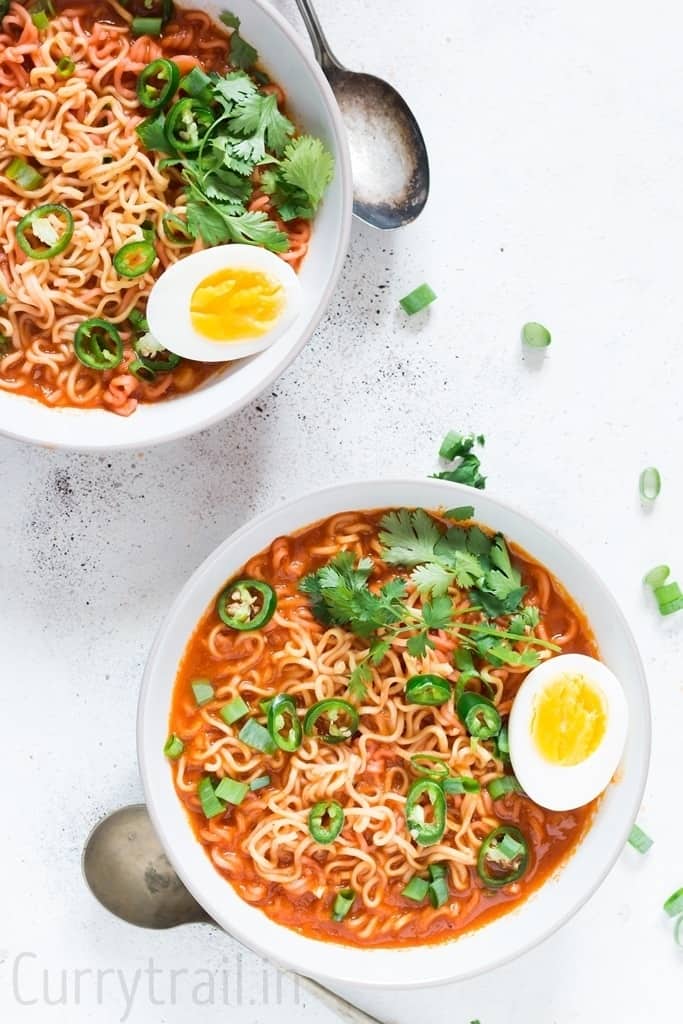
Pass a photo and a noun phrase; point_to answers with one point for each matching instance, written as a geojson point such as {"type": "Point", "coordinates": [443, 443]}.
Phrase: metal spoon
{"type": "Point", "coordinates": [128, 872]}
{"type": "Point", "coordinates": [388, 153]}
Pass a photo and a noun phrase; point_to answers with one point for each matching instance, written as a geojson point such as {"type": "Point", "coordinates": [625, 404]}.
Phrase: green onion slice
{"type": "Point", "coordinates": [342, 904]}
{"type": "Point", "coordinates": [173, 747]}
{"type": "Point", "coordinates": [674, 905]}
{"type": "Point", "coordinates": [458, 785]}
{"type": "Point", "coordinates": [195, 82]}
{"type": "Point", "coordinates": [438, 892]}
{"type": "Point", "coordinates": [146, 27]}
{"type": "Point", "coordinates": [257, 737]}
{"type": "Point", "coordinates": [260, 783]}
{"type": "Point", "coordinates": [418, 299]}
{"type": "Point", "coordinates": [536, 335]}
{"type": "Point", "coordinates": [416, 889]}
{"type": "Point", "coordinates": [678, 931]}
{"type": "Point", "coordinates": [501, 787]}
{"type": "Point", "coordinates": [203, 691]}
{"type": "Point", "coordinates": [211, 805]}
{"type": "Point", "coordinates": [234, 710]}
{"type": "Point", "coordinates": [657, 577]}
{"type": "Point", "coordinates": [40, 20]}
{"type": "Point", "coordinates": [640, 840]}
{"type": "Point", "coordinates": [649, 483]}
{"type": "Point", "coordinates": [26, 177]}
{"type": "Point", "coordinates": [460, 513]}
{"type": "Point", "coordinates": [232, 791]}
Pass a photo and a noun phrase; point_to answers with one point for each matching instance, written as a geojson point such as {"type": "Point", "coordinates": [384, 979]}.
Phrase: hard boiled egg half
{"type": "Point", "coordinates": [567, 731]}
{"type": "Point", "coordinates": [223, 303]}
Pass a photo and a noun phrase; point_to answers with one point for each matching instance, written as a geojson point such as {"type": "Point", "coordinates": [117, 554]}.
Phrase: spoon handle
{"type": "Point", "coordinates": [321, 48]}
{"type": "Point", "coordinates": [345, 1011]}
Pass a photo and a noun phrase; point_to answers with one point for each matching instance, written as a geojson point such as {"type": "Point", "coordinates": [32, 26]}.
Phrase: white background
{"type": "Point", "coordinates": [556, 144]}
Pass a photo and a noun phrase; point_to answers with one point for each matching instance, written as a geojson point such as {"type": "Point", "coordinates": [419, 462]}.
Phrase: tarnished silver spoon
{"type": "Point", "coordinates": [128, 872]}
{"type": "Point", "coordinates": [388, 154]}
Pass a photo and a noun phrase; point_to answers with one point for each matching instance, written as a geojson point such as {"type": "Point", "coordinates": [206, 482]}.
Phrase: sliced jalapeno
{"type": "Point", "coordinates": [479, 715]}
{"type": "Point", "coordinates": [157, 83]}
{"type": "Point", "coordinates": [426, 832]}
{"type": "Point", "coordinates": [325, 821]}
{"type": "Point", "coordinates": [284, 724]}
{"type": "Point", "coordinates": [161, 362]}
{"type": "Point", "coordinates": [36, 224]}
{"type": "Point", "coordinates": [187, 123]}
{"type": "Point", "coordinates": [503, 857]}
{"type": "Point", "coordinates": [177, 230]}
{"type": "Point", "coordinates": [429, 690]}
{"type": "Point", "coordinates": [429, 766]}
{"type": "Point", "coordinates": [134, 259]}
{"type": "Point", "coordinates": [98, 344]}
{"type": "Point", "coordinates": [247, 604]}
{"type": "Point", "coordinates": [332, 720]}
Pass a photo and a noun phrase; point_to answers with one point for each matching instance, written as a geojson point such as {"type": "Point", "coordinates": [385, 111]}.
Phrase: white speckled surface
{"type": "Point", "coordinates": [556, 145]}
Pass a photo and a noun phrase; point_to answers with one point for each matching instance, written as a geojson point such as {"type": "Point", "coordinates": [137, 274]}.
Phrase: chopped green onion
{"type": "Point", "coordinates": [461, 512]}
{"type": "Point", "coordinates": [203, 691]}
{"type": "Point", "coordinates": [500, 787]}
{"type": "Point", "coordinates": [342, 904]}
{"type": "Point", "coordinates": [232, 791]}
{"type": "Point", "coordinates": [234, 710]}
{"type": "Point", "coordinates": [509, 848]}
{"type": "Point", "coordinates": [674, 905]}
{"type": "Point", "coordinates": [65, 67]}
{"type": "Point", "coordinates": [173, 747]}
{"type": "Point", "coordinates": [3, 298]}
{"type": "Point", "coordinates": [260, 783]}
{"type": "Point", "coordinates": [195, 82]}
{"type": "Point", "coordinates": [657, 576]}
{"type": "Point", "coordinates": [438, 892]}
{"type": "Point", "coordinates": [257, 737]}
{"type": "Point", "coordinates": [416, 889]}
{"type": "Point", "coordinates": [640, 840]}
{"type": "Point", "coordinates": [146, 26]}
{"type": "Point", "coordinates": [678, 931]}
{"type": "Point", "coordinates": [211, 805]}
{"type": "Point", "coordinates": [418, 299]}
{"type": "Point", "coordinates": [266, 702]}
{"type": "Point", "coordinates": [40, 20]}
{"type": "Point", "coordinates": [650, 483]}
{"type": "Point", "coordinates": [25, 176]}
{"type": "Point", "coordinates": [437, 871]}
{"type": "Point", "coordinates": [536, 335]}
{"type": "Point", "coordinates": [461, 784]}
{"type": "Point", "coordinates": [503, 741]}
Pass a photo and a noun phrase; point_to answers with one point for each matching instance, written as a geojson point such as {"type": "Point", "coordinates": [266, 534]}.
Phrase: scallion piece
{"type": "Point", "coordinates": [342, 904]}
{"type": "Point", "coordinates": [260, 783]}
{"type": "Point", "coordinates": [234, 710]}
{"type": "Point", "coordinates": [674, 905]}
{"type": "Point", "coordinates": [459, 785]}
{"type": "Point", "coordinates": [257, 737]}
{"type": "Point", "coordinates": [438, 892]}
{"type": "Point", "coordinates": [678, 931]}
{"type": "Point", "coordinates": [173, 747]}
{"type": "Point", "coordinates": [26, 177]}
{"type": "Point", "coordinates": [211, 805]}
{"type": "Point", "coordinates": [649, 483]}
{"type": "Point", "coordinates": [500, 787]}
{"type": "Point", "coordinates": [203, 691]}
{"type": "Point", "coordinates": [536, 335]}
{"type": "Point", "coordinates": [416, 889]}
{"type": "Point", "coordinates": [640, 840]}
{"type": "Point", "coordinates": [668, 595]}
{"type": "Point", "coordinates": [503, 741]}
{"type": "Point", "coordinates": [509, 848]}
{"type": "Point", "coordinates": [657, 576]}
{"type": "Point", "coordinates": [195, 82]}
{"type": "Point", "coordinates": [437, 871]}
{"type": "Point", "coordinates": [40, 20]}
{"type": "Point", "coordinates": [232, 791]}
{"type": "Point", "coordinates": [460, 513]}
{"type": "Point", "coordinates": [65, 67]}
{"type": "Point", "coordinates": [3, 298]}
{"type": "Point", "coordinates": [418, 299]}
{"type": "Point", "coordinates": [146, 27]}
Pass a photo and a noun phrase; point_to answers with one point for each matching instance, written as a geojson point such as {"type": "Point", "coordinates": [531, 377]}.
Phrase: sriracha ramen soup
{"type": "Point", "coordinates": [136, 136]}
{"type": "Point", "coordinates": [339, 727]}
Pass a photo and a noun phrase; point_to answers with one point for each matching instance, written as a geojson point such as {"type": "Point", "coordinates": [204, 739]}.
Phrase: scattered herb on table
{"type": "Point", "coordinates": [466, 466]}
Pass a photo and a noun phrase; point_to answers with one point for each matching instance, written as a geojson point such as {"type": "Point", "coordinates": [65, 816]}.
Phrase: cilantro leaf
{"type": "Point", "coordinates": [233, 90]}
{"type": "Point", "coordinates": [418, 644]}
{"type": "Point", "coordinates": [299, 181]}
{"type": "Point", "coordinates": [152, 134]}
{"type": "Point", "coordinates": [467, 471]}
{"type": "Point", "coordinates": [379, 650]}
{"type": "Point", "coordinates": [359, 680]}
{"type": "Point", "coordinates": [432, 578]}
{"type": "Point", "coordinates": [529, 617]}
{"type": "Point", "coordinates": [216, 224]}
{"type": "Point", "coordinates": [229, 19]}
{"type": "Point", "coordinates": [438, 614]}
{"type": "Point", "coordinates": [242, 54]}
{"type": "Point", "coordinates": [341, 590]}
{"type": "Point", "coordinates": [408, 538]}
{"type": "Point", "coordinates": [501, 590]}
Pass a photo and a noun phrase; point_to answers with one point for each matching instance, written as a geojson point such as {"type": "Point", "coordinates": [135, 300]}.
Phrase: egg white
{"type": "Point", "coordinates": [565, 787]}
{"type": "Point", "coordinates": [168, 306]}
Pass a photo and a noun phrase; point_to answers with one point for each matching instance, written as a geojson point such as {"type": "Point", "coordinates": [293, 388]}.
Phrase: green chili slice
{"type": "Point", "coordinates": [134, 259]}
{"type": "Point", "coordinates": [160, 362]}
{"type": "Point", "coordinates": [283, 723]}
{"type": "Point", "coordinates": [42, 230]}
{"type": "Point", "coordinates": [430, 690]}
{"type": "Point", "coordinates": [426, 831]}
{"type": "Point", "coordinates": [65, 67]}
{"type": "Point", "coordinates": [211, 805]}
{"type": "Point", "coordinates": [26, 177]}
{"type": "Point", "coordinates": [501, 787]}
{"type": "Point", "coordinates": [234, 710]}
{"type": "Point", "coordinates": [157, 83]}
{"type": "Point", "coordinates": [343, 902]}
{"type": "Point", "coordinates": [503, 857]}
{"type": "Point", "coordinates": [325, 821]}
{"type": "Point", "coordinates": [478, 715]}
{"type": "Point", "coordinates": [177, 231]}
{"type": "Point", "coordinates": [429, 766]}
{"type": "Point", "coordinates": [173, 747]}
{"type": "Point", "coordinates": [146, 26]}
{"type": "Point", "coordinates": [187, 123]}
{"type": "Point", "coordinates": [98, 344]}
{"type": "Point", "coordinates": [247, 604]}
{"type": "Point", "coordinates": [142, 372]}
{"type": "Point", "coordinates": [332, 720]}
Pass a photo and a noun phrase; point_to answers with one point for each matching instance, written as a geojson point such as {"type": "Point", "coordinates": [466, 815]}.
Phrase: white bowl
{"type": "Point", "coordinates": [494, 943]}
{"type": "Point", "coordinates": [312, 104]}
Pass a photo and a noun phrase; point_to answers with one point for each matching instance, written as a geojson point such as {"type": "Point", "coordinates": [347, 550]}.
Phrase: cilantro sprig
{"type": "Point", "coordinates": [465, 463]}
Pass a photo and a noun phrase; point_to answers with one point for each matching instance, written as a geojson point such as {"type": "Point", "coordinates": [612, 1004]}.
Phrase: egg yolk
{"type": "Point", "coordinates": [236, 303]}
{"type": "Point", "coordinates": [569, 720]}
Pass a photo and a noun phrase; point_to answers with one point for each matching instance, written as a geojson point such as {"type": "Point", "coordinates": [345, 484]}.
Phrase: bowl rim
{"type": "Point", "coordinates": [148, 759]}
{"type": "Point", "coordinates": [152, 438]}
